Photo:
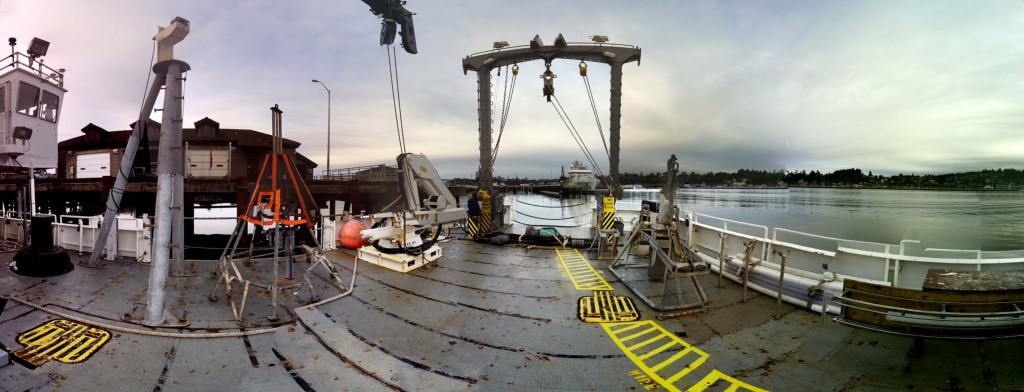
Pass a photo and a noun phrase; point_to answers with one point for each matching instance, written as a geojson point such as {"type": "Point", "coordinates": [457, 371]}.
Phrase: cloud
{"type": "Point", "coordinates": [884, 86]}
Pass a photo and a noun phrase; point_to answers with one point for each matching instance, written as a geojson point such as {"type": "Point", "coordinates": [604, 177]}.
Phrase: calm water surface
{"type": "Point", "coordinates": [989, 221]}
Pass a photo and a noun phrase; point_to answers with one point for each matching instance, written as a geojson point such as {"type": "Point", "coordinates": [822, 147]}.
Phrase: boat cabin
{"type": "Point", "coordinates": [30, 99]}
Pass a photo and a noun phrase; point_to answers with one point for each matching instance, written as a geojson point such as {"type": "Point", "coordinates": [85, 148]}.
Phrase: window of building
{"type": "Point", "coordinates": [28, 99]}
{"type": "Point", "coordinates": [49, 107]}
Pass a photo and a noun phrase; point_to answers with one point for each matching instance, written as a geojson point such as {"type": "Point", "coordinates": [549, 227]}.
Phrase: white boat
{"type": "Point", "coordinates": [579, 179]}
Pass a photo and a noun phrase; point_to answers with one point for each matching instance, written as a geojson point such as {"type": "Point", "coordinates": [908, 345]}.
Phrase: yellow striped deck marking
{"type": "Point", "coordinates": [583, 275]}
{"type": "Point", "coordinates": [605, 307]}
{"type": "Point", "coordinates": [665, 363]}
{"type": "Point", "coordinates": [63, 340]}
{"type": "Point", "coordinates": [718, 377]}
{"type": "Point", "coordinates": [666, 358]}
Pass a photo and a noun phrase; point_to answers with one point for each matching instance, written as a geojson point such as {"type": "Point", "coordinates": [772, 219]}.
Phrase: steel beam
{"type": "Point", "coordinates": [482, 63]}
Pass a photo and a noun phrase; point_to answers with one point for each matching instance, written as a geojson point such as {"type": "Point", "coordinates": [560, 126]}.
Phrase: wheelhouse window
{"type": "Point", "coordinates": [49, 107]}
{"type": "Point", "coordinates": [28, 99]}
{"type": "Point", "coordinates": [3, 99]}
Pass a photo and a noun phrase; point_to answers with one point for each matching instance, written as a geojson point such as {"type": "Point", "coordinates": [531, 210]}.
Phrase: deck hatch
{"type": "Point", "coordinates": [606, 307]}
{"type": "Point", "coordinates": [62, 340]}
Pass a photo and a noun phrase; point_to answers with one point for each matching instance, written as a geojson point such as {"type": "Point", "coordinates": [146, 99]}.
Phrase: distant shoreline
{"type": "Point", "coordinates": [845, 187]}
{"type": "Point", "coordinates": [908, 189]}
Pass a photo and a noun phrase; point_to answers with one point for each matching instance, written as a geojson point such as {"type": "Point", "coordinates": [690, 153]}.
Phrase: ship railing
{"type": "Point", "coordinates": [130, 237]}
{"type": "Point", "coordinates": [378, 173]}
{"type": "Point", "coordinates": [10, 226]}
{"type": "Point", "coordinates": [909, 271]}
{"type": "Point", "coordinates": [715, 234]}
{"type": "Point", "coordinates": [78, 233]}
{"type": "Point", "coordinates": [20, 60]}
{"type": "Point", "coordinates": [816, 254]}
{"type": "Point", "coordinates": [906, 312]}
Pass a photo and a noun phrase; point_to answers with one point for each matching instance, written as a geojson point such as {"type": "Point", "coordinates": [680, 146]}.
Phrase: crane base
{"type": "Point", "coordinates": [401, 262]}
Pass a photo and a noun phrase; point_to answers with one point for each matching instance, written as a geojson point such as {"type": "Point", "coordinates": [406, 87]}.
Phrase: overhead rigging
{"type": "Point", "coordinates": [549, 93]}
{"type": "Point", "coordinates": [593, 105]}
{"type": "Point", "coordinates": [506, 104]}
{"type": "Point", "coordinates": [392, 13]}
{"type": "Point", "coordinates": [396, 96]}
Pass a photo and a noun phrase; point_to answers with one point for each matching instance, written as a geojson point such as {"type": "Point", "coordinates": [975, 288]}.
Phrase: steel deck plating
{"type": "Point", "coordinates": [485, 318]}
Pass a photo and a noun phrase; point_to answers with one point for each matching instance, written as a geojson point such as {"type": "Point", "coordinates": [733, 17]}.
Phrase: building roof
{"type": "Point", "coordinates": [97, 137]}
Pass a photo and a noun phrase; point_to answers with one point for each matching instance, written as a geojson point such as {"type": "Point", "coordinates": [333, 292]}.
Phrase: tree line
{"type": "Point", "coordinates": [1005, 179]}
{"type": "Point", "coordinates": [984, 179]}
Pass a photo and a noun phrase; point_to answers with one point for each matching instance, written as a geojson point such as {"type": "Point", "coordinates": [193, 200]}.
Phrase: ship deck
{"type": "Point", "coordinates": [485, 318]}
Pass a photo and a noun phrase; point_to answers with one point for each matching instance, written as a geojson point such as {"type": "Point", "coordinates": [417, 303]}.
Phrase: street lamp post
{"type": "Point", "coordinates": [328, 126]}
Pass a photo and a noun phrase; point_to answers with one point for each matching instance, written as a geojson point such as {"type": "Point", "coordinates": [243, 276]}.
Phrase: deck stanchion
{"type": "Point", "coordinates": [746, 267]}
{"type": "Point", "coordinates": [782, 277]}
{"type": "Point", "coordinates": [721, 258]}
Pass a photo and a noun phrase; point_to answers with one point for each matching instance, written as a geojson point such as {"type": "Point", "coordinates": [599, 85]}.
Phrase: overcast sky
{"type": "Point", "coordinates": [886, 86]}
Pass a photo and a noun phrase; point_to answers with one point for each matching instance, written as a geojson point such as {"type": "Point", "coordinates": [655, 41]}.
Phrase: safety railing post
{"type": "Point", "coordinates": [721, 258]}
{"type": "Point", "coordinates": [782, 283]}
{"type": "Point", "coordinates": [746, 266]}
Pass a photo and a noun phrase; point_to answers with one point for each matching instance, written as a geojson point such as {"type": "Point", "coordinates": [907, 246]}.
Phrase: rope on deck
{"type": "Point", "coordinates": [209, 335]}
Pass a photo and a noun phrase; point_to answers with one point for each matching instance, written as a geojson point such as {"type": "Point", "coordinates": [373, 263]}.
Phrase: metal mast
{"type": "Point", "coordinates": [167, 234]}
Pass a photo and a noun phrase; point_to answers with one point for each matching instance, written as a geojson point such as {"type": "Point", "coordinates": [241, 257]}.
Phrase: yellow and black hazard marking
{"type": "Point", "coordinates": [583, 275]}
{"type": "Point", "coordinates": [723, 382]}
{"type": "Point", "coordinates": [660, 354]}
{"type": "Point", "coordinates": [486, 209]}
{"type": "Point", "coordinates": [606, 307]}
{"type": "Point", "coordinates": [608, 213]}
{"type": "Point", "coordinates": [472, 226]}
{"type": "Point", "coordinates": [62, 340]}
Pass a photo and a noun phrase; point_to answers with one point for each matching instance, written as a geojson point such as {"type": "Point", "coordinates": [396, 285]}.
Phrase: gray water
{"type": "Point", "coordinates": [988, 221]}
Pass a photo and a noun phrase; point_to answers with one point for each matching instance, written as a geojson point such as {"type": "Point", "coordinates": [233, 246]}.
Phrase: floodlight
{"type": "Point", "coordinates": [22, 133]}
{"type": "Point", "coordinates": [38, 47]}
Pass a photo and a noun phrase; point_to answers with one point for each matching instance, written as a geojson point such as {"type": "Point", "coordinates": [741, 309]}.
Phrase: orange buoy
{"type": "Point", "coordinates": [349, 235]}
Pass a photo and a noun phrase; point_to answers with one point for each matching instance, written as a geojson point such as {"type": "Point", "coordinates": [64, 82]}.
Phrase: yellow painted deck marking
{"type": "Point", "coordinates": [583, 275]}
{"type": "Point", "coordinates": [657, 363]}
{"type": "Point", "coordinates": [661, 355]}
{"type": "Point", "coordinates": [718, 377]}
{"type": "Point", "coordinates": [63, 340]}
{"type": "Point", "coordinates": [605, 307]}
{"type": "Point", "coordinates": [666, 359]}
